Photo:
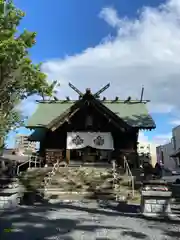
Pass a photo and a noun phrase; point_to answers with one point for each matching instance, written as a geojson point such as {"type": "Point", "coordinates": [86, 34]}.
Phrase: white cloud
{"type": "Point", "coordinates": [145, 51]}
{"type": "Point", "coordinates": [111, 17]}
{"type": "Point", "coordinates": [157, 140]}
{"type": "Point", "coordinates": [175, 122]}
{"type": "Point", "coordinates": [143, 138]}
{"type": "Point", "coordinates": [146, 142]}
{"type": "Point", "coordinates": [161, 139]}
{"type": "Point", "coordinates": [29, 106]}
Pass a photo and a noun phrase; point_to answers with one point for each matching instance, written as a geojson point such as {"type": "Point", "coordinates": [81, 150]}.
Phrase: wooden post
{"type": "Point", "coordinates": [68, 155]}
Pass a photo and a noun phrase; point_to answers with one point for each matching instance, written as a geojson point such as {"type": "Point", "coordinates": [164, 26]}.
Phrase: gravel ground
{"type": "Point", "coordinates": [81, 221]}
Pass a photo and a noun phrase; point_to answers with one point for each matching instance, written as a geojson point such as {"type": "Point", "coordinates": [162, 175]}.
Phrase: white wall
{"type": "Point", "coordinates": [148, 147]}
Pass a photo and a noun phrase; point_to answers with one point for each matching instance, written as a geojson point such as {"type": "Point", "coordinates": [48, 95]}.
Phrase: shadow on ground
{"type": "Point", "coordinates": [54, 221]}
{"type": "Point", "coordinates": [33, 223]}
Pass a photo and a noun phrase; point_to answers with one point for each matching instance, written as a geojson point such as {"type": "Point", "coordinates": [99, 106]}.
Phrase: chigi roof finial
{"type": "Point", "coordinates": [88, 91]}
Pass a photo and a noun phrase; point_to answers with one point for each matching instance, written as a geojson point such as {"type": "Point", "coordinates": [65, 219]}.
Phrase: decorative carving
{"type": "Point", "coordinates": [99, 141]}
{"type": "Point", "coordinates": [77, 140]}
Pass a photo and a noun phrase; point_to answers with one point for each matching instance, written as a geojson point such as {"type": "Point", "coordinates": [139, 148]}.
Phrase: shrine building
{"type": "Point", "coordinates": [89, 129]}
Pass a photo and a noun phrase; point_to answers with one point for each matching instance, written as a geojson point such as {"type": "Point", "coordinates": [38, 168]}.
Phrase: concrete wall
{"type": "Point", "coordinates": [176, 138]}
{"type": "Point", "coordinates": [153, 155]}
{"type": "Point", "coordinates": [170, 148]}
{"type": "Point", "coordinates": [163, 155]}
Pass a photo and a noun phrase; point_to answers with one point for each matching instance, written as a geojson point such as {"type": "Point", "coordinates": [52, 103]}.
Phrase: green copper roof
{"type": "Point", "coordinates": [46, 112]}
{"type": "Point", "coordinates": [135, 113]}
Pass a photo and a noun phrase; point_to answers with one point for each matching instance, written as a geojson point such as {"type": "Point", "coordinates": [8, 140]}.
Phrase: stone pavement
{"type": "Point", "coordinates": [81, 221]}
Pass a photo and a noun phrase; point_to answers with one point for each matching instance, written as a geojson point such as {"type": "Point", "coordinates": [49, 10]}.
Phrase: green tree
{"type": "Point", "coordinates": [19, 77]}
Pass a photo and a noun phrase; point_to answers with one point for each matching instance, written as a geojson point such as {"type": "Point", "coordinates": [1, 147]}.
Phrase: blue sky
{"type": "Point", "coordinates": [69, 31]}
{"type": "Point", "coordinates": [71, 26]}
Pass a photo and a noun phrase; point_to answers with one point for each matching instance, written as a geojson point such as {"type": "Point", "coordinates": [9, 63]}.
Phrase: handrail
{"type": "Point", "coordinates": [129, 173]}
{"type": "Point", "coordinates": [37, 160]}
{"type": "Point", "coordinates": [20, 166]}
{"type": "Point", "coordinates": [29, 161]}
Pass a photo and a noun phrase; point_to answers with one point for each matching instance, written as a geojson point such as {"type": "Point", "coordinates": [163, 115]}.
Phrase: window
{"type": "Point", "coordinates": [162, 156]}
{"type": "Point", "coordinates": [173, 141]}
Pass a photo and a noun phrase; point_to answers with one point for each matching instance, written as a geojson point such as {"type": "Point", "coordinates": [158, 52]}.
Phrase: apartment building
{"type": "Point", "coordinates": [23, 145]}
{"type": "Point", "coordinates": [164, 152]}
{"type": "Point", "coordinates": [176, 138]}
{"type": "Point", "coordinates": [176, 144]}
{"type": "Point", "coordinates": [146, 152]}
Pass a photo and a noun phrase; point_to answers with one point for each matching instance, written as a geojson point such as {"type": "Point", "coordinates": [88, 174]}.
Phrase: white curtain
{"type": "Point", "coordinates": [98, 140]}
{"type": "Point", "coordinates": [76, 140]}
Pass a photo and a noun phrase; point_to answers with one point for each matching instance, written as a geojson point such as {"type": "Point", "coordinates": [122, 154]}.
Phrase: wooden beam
{"type": "Point", "coordinates": [64, 120]}
{"type": "Point", "coordinates": [101, 90]}
{"type": "Point", "coordinates": [111, 114]}
{"type": "Point", "coordinates": [58, 121]}
{"type": "Point", "coordinates": [108, 118]}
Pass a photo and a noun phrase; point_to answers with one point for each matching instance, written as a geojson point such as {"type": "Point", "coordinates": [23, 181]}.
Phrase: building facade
{"type": "Point", "coordinates": [146, 151]}
{"type": "Point", "coordinates": [176, 138]}
{"type": "Point", "coordinates": [176, 144]}
{"type": "Point", "coordinates": [89, 129]}
{"type": "Point", "coordinates": [166, 153]}
{"type": "Point", "coordinates": [23, 145]}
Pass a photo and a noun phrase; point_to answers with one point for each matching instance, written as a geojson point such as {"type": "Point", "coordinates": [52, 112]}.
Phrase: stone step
{"type": "Point", "coordinates": [55, 190]}
{"type": "Point", "coordinates": [86, 167]}
{"type": "Point", "coordinates": [82, 173]}
{"type": "Point", "coordinates": [78, 181]}
{"type": "Point", "coordinates": [77, 195]}
{"type": "Point", "coordinates": [84, 190]}
{"type": "Point", "coordinates": [80, 197]}
{"type": "Point", "coordinates": [80, 188]}
{"type": "Point", "coordinates": [91, 164]}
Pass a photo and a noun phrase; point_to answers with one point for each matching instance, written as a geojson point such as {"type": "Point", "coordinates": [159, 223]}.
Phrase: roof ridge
{"type": "Point", "coordinates": [135, 113]}
{"type": "Point", "coordinates": [102, 101]}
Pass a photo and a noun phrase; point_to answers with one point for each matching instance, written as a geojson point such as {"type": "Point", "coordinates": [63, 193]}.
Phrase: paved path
{"type": "Point", "coordinates": [78, 221]}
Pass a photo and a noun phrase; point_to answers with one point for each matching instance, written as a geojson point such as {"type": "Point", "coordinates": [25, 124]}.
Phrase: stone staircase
{"type": "Point", "coordinates": [175, 201]}
{"type": "Point", "coordinates": [138, 178]}
{"type": "Point", "coordinates": [76, 182]}
{"type": "Point", "coordinates": [87, 182]}
{"type": "Point", "coordinates": [80, 182]}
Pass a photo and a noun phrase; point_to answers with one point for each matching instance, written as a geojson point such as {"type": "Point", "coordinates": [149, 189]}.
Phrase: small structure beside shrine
{"type": "Point", "coordinates": [90, 129]}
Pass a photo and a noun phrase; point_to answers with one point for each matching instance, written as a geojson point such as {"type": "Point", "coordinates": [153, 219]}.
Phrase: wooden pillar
{"type": "Point", "coordinates": [68, 155]}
